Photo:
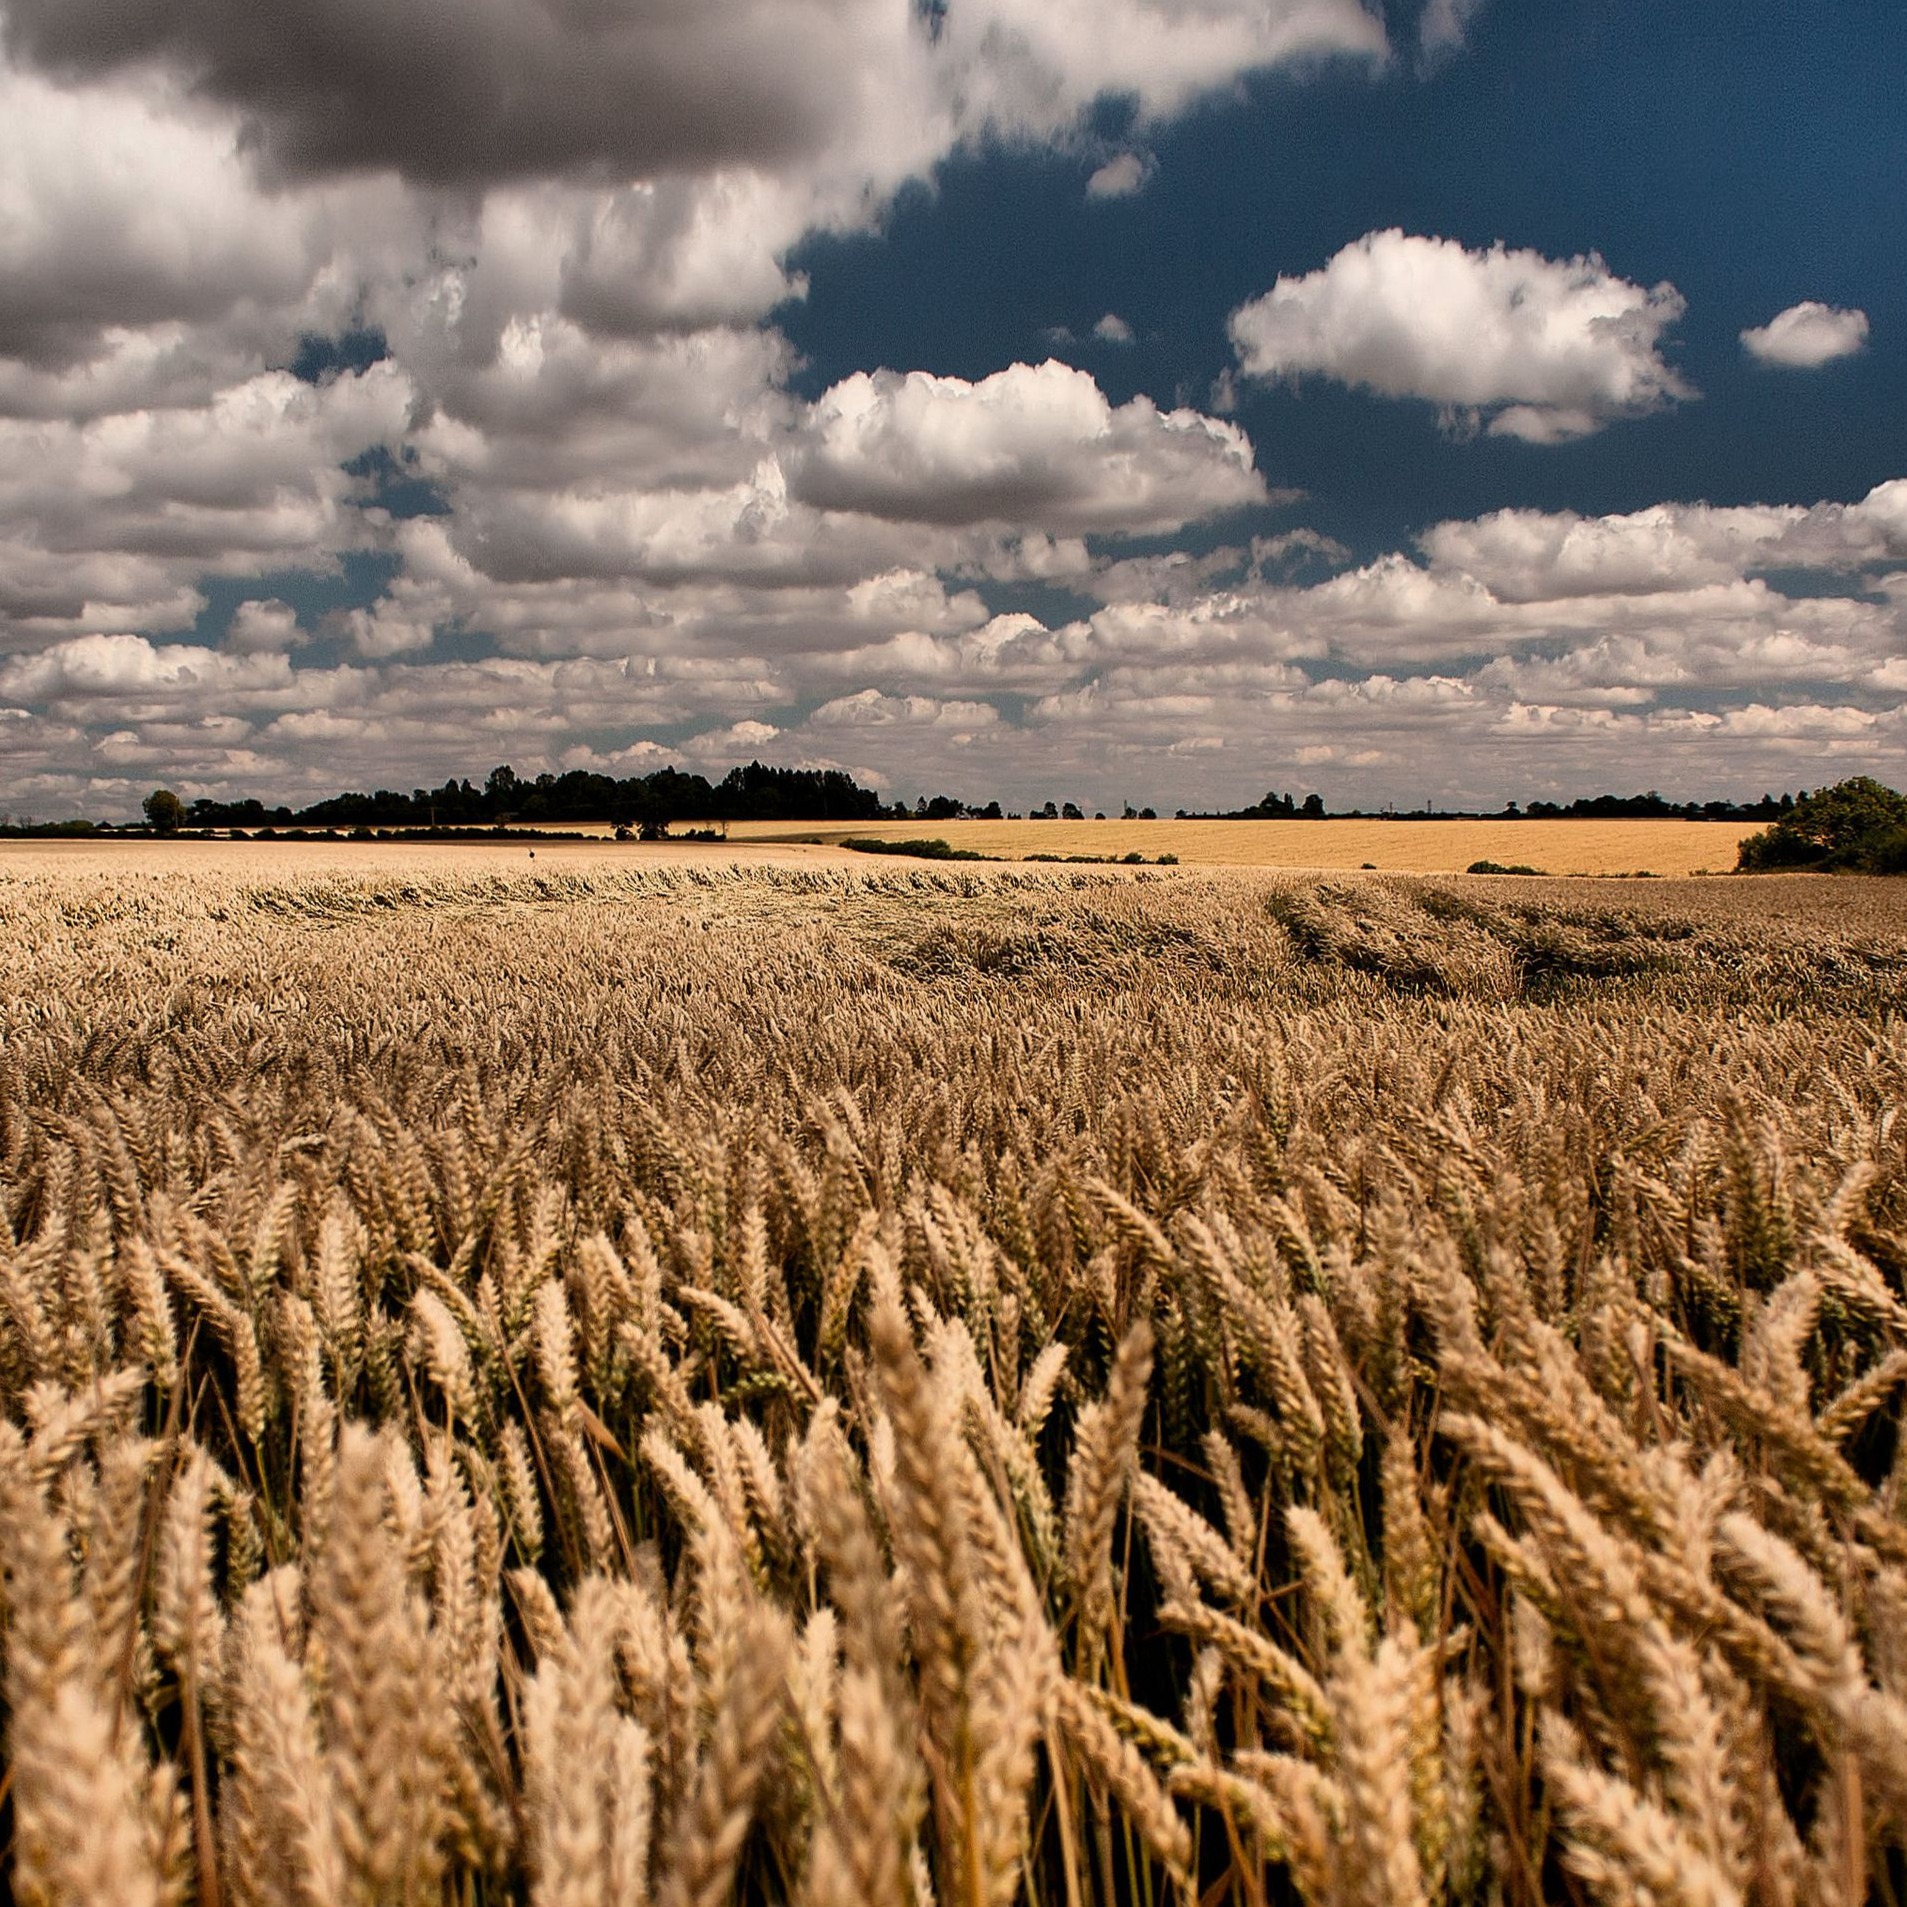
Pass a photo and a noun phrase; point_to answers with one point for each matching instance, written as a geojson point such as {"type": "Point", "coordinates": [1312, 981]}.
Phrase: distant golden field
{"type": "Point", "coordinates": [1666, 848]}
{"type": "Point", "coordinates": [1409, 847]}
{"type": "Point", "coordinates": [650, 1379]}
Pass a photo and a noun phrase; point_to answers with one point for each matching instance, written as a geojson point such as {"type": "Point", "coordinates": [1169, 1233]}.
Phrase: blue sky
{"type": "Point", "coordinates": [1753, 155]}
{"type": "Point", "coordinates": [1147, 400]}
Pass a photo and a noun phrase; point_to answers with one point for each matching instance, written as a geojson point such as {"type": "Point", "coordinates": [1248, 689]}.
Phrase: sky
{"type": "Point", "coordinates": [1117, 401]}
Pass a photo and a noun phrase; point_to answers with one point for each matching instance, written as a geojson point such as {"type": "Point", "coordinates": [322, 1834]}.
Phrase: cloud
{"type": "Point", "coordinates": [1037, 445]}
{"type": "Point", "coordinates": [679, 254]}
{"type": "Point", "coordinates": [547, 405]}
{"type": "Point", "coordinates": [1445, 25]}
{"type": "Point", "coordinates": [1120, 177]}
{"type": "Point", "coordinates": [502, 90]}
{"type": "Point", "coordinates": [869, 708]}
{"type": "Point", "coordinates": [1525, 655]}
{"type": "Point", "coordinates": [569, 221]}
{"type": "Point", "coordinates": [141, 264]}
{"type": "Point", "coordinates": [634, 168]}
{"type": "Point", "coordinates": [1530, 347]}
{"type": "Point", "coordinates": [263, 626]}
{"type": "Point", "coordinates": [1806, 336]}
{"type": "Point", "coordinates": [1291, 548]}
{"type": "Point", "coordinates": [387, 628]}
{"type": "Point", "coordinates": [112, 520]}
{"type": "Point", "coordinates": [122, 674]}
{"type": "Point", "coordinates": [1393, 681]}
{"type": "Point", "coordinates": [114, 212]}
{"type": "Point", "coordinates": [573, 223]}
{"type": "Point", "coordinates": [497, 90]}
{"type": "Point", "coordinates": [1538, 556]}
{"type": "Point", "coordinates": [1113, 329]}
{"type": "Point", "coordinates": [736, 742]}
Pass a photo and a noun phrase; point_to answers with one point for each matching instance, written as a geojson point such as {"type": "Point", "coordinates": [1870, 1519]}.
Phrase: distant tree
{"type": "Point", "coordinates": [1271, 806]}
{"type": "Point", "coordinates": [1071, 812]}
{"type": "Point", "coordinates": [164, 811]}
{"type": "Point", "coordinates": [1313, 809]}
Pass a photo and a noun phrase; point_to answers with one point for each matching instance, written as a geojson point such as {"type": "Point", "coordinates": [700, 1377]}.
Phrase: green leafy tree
{"type": "Point", "coordinates": [164, 811]}
{"type": "Point", "coordinates": [1860, 823]}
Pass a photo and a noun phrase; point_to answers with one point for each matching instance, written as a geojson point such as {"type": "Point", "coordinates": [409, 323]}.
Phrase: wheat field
{"type": "Point", "coordinates": [1566, 847]}
{"type": "Point", "coordinates": [1672, 849]}
{"type": "Point", "coordinates": [622, 1382]}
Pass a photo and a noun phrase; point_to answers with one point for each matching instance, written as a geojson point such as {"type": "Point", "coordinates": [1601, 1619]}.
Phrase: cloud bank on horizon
{"type": "Point", "coordinates": [388, 390]}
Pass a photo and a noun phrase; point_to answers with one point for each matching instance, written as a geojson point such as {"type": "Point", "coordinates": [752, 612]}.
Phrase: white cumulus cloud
{"type": "Point", "coordinates": [1543, 556]}
{"type": "Point", "coordinates": [1806, 336]}
{"type": "Point", "coordinates": [1525, 346]}
{"type": "Point", "coordinates": [1036, 445]}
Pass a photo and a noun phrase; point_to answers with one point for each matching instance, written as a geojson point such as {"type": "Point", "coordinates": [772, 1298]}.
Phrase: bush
{"type": "Point", "coordinates": [1776, 847]}
{"type": "Point", "coordinates": [934, 850]}
{"type": "Point", "coordinates": [1885, 852]}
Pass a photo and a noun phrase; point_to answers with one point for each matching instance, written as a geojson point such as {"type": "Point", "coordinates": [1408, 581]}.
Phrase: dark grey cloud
{"type": "Point", "coordinates": [478, 92]}
{"type": "Point", "coordinates": [481, 90]}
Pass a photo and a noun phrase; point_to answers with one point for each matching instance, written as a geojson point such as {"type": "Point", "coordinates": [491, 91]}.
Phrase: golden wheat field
{"type": "Point", "coordinates": [1670, 848]}
{"type": "Point", "coordinates": [629, 1381]}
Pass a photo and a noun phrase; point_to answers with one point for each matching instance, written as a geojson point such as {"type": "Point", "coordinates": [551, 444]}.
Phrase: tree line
{"type": "Point", "coordinates": [648, 803]}
{"type": "Point", "coordinates": [1273, 806]}
{"type": "Point", "coordinates": [651, 804]}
